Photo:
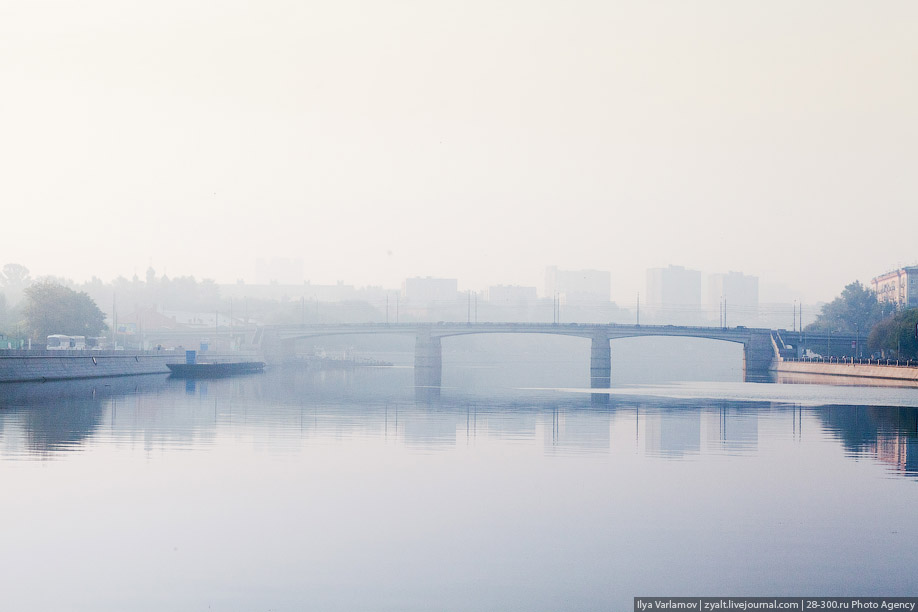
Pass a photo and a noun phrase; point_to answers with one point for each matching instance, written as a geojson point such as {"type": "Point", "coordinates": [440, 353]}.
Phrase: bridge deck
{"type": "Point", "coordinates": [612, 330]}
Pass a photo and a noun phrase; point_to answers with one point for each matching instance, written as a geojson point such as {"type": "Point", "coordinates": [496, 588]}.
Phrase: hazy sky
{"type": "Point", "coordinates": [479, 140]}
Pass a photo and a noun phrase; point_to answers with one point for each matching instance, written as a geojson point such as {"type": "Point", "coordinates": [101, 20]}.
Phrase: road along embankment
{"type": "Point", "coordinates": [851, 370]}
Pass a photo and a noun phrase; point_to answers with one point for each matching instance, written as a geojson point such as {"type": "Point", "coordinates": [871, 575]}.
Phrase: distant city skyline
{"type": "Point", "coordinates": [770, 291]}
{"type": "Point", "coordinates": [384, 141]}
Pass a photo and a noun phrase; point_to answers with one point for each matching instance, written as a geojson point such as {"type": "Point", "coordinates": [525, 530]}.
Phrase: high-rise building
{"type": "Point", "coordinates": [674, 287]}
{"type": "Point", "coordinates": [737, 292]}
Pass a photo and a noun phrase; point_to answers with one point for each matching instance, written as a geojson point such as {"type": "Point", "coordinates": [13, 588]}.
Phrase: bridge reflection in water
{"type": "Point", "coordinates": [279, 343]}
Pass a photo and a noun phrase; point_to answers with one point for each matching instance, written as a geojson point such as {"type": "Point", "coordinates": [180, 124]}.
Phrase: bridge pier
{"type": "Point", "coordinates": [758, 357]}
{"type": "Point", "coordinates": [428, 359]}
{"type": "Point", "coordinates": [600, 362]}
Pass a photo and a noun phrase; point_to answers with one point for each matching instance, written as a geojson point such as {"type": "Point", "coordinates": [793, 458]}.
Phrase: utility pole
{"type": "Point", "coordinates": [802, 330]}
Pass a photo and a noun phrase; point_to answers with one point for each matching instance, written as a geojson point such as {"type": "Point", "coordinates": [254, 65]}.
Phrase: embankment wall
{"type": "Point", "coordinates": [888, 372]}
{"type": "Point", "coordinates": [36, 365]}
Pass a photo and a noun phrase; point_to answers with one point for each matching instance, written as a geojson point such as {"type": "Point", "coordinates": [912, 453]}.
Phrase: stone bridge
{"type": "Point", "coordinates": [278, 342]}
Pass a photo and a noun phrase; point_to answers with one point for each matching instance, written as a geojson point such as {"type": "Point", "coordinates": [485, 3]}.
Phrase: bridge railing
{"type": "Point", "coordinates": [412, 325]}
{"type": "Point", "coordinates": [896, 363]}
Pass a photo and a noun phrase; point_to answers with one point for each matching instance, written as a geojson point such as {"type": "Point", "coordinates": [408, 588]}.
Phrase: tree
{"type": "Point", "coordinates": [13, 279]}
{"type": "Point", "coordinates": [896, 335]}
{"type": "Point", "coordinates": [856, 310]}
{"type": "Point", "coordinates": [14, 276]}
{"type": "Point", "coordinates": [54, 309]}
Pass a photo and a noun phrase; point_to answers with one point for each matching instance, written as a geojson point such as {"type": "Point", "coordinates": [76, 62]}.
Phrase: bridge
{"type": "Point", "coordinates": [759, 348]}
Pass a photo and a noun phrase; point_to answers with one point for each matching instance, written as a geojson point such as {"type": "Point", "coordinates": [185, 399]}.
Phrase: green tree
{"type": "Point", "coordinates": [855, 310]}
{"type": "Point", "coordinates": [896, 335]}
{"type": "Point", "coordinates": [54, 309]}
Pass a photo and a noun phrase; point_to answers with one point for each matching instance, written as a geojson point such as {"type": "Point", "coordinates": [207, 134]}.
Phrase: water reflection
{"type": "Point", "coordinates": [40, 419]}
{"type": "Point", "coordinates": [889, 435]}
{"type": "Point", "coordinates": [284, 410]}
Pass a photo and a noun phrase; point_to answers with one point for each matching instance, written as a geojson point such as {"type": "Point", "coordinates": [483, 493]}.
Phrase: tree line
{"type": "Point", "coordinates": [890, 332]}
{"type": "Point", "coordinates": [34, 308]}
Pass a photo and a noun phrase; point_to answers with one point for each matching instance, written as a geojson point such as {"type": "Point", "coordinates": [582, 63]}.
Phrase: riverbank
{"type": "Point", "coordinates": [42, 365]}
{"type": "Point", "coordinates": [864, 371]}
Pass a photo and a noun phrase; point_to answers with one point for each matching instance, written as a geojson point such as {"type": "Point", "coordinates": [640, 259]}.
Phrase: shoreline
{"type": "Point", "coordinates": [43, 365]}
{"type": "Point", "coordinates": [905, 375]}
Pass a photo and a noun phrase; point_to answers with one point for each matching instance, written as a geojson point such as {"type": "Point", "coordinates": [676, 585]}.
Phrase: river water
{"type": "Point", "coordinates": [514, 488]}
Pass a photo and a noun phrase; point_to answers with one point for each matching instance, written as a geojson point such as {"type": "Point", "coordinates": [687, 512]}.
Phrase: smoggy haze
{"type": "Point", "coordinates": [477, 140]}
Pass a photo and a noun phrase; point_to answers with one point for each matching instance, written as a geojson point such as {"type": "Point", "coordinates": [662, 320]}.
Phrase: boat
{"type": "Point", "coordinates": [214, 370]}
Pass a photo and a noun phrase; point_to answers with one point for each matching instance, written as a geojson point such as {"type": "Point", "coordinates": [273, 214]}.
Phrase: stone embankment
{"type": "Point", "coordinates": [40, 365]}
{"type": "Point", "coordinates": [848, 369]}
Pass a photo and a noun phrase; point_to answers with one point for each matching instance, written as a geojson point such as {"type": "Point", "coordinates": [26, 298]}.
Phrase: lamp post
{"type": "Point", "coordinates": [857, 340]}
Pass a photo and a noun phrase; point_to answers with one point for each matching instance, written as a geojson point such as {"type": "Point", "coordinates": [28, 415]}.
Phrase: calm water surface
{"type": "Point", "coordinates": [354, 491]}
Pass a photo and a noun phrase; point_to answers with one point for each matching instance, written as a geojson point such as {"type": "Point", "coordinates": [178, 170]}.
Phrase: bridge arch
{"type": "Point", "coordinates": [758, 347]}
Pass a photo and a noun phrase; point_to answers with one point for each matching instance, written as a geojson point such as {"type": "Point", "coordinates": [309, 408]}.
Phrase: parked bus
{"type": "Point", "coordinates": [60, 342]}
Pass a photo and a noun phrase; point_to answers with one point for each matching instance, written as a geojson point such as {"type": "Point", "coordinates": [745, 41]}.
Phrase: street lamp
{"type": "Point", "coordinates": [857, 340]}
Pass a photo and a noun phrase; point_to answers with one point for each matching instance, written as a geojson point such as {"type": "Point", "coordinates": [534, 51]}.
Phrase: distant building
{"type": "Point", "coordinates": [430, 291]}
{"type": "Point", "coordinates": [674, 296]}
{"type": "Point", "coordinates": [578, 286]}
{"type": "Point", "coordinates": [674, 287]}
{"type": "Point", "coordinates": [739, 292]}
{"type": "Point", "coordinates": [899, 287]}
